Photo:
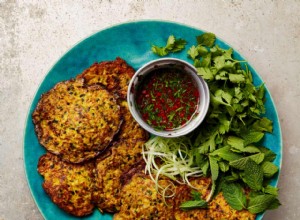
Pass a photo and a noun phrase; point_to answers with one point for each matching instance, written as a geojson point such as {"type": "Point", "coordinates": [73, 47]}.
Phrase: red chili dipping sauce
{"type": "Point", "coordinates": [167, 99]}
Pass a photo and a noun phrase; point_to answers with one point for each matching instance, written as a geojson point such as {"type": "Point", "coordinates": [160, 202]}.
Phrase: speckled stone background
{"type": "Point", "coordinates": [34, 34]}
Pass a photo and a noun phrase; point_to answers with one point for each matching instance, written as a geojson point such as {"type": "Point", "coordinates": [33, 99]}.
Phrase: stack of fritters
{"type": "Point", "coordinates": [84, 123]}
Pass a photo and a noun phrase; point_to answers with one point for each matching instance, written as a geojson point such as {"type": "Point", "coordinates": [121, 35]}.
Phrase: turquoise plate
{"type": "Point", "coordinates": [132, 42]}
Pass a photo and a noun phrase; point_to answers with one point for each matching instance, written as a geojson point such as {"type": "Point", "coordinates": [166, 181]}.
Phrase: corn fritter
{"type": "Point", "coordinates": [76, 121]}
{"type": "Point", "coordinates": [114, 75]}
{"type": "Point", "coordinates": [109, 168]}
{"type": "Point", "coordinates": [70, 186]}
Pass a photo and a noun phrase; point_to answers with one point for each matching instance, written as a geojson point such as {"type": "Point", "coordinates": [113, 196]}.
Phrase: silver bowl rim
{"type": "Point", "coordinates": [201, 85]}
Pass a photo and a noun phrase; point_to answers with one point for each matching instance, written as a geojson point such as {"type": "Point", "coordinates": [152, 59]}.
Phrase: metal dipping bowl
{"type": "Point", "coordinates": [185, 68]}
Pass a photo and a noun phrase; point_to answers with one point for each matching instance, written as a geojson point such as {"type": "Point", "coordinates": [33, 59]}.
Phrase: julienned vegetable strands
{"type": "Point", "coordinates": [226, 145]}
{"type": "Point", "coordinates": [175, 159]}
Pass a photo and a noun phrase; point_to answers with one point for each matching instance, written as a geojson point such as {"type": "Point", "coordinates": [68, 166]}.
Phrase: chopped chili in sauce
{"type": "Point", "coordinates": [167, 99]}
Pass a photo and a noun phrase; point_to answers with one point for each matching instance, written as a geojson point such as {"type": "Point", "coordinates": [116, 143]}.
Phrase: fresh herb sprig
{"type": "Point", "coordinates": [196, 202]}
{"type": "Point", "coordinates": [173, 45]}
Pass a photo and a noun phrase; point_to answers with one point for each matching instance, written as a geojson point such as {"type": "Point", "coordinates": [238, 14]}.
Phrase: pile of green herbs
{"type": "Point", "coordinates": [227, 145]}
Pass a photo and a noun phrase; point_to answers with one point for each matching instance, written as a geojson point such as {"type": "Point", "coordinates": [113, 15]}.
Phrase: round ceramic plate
{"type": "Point", "coordinates": [132, 42]}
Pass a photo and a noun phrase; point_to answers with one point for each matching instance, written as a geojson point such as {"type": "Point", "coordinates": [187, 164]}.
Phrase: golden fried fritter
{"type": "Point", "coordinates": [109, 168]}
{"type": "Point", "coordinates": [130, 129]}
{"type": "Point", "coordinates": [140, 200]}
{"type": "Point", "coordinates": [114, 75]}
{"type": "Point", "coordinates": [218, 208]}
{"type": "Point", "coordinates": [183, 193]}
{"type": "Point", "coordinates": [70, 186]}
{"type": "Point", "coordinates": [76, 121]}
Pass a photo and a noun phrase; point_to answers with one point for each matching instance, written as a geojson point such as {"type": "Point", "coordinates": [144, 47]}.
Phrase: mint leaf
{"type": "Point", "coordinates": [269, 169]}
{"type": "Point", "coordinates": [224, 167]}
{"type": "Point", "coordinates": [257, 158]}
{"type": "Point", "coordinates": [242, 163]}
{"type": "Point", "coordinates": [263, 124]}
{"type": "Point", "coordinates": [196, 195]}
{"type": "Point", "coordinates": [214, 168]}
{"type": "Point", "coordinates": [270, 190]}
{"type": "Point", "coordinates": [233, 177]}
{"type": "Point", "coordinates": [269, 155]}
{"type": "Point", "coordinates": [236, 142]}
{"type": "Point", "coordinates": [226, 154]}
{"type": "Point", "coordinates": [192, 204]}
{"type": "Point", "coordinates": [274, 205]}
{"type": "Point", "coordinates": [252, 137]}
{"type": "Point", "coordinates": [260, 203]}
{"type": "Point", "coordinates": [251, 149]}
{"type": "Point", "coordinates": [196, 202]}
{"type": "Point", "coordinates": [253, 175]}
{"type": "Point", "coordinates": [206, 39]}
{"type": "Point", "coordinates": [234, 196]}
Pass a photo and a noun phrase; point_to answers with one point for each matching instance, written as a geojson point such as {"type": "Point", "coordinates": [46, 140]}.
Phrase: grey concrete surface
{"type": "Point", "coordinates": [34, 34]}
